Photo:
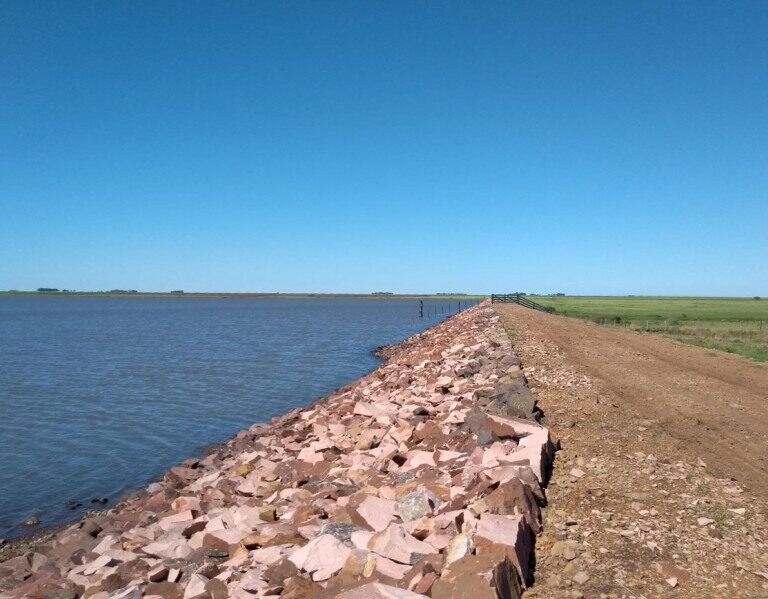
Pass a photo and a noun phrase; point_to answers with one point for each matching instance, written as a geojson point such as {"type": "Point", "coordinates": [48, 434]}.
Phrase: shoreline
{"type": "Point", "coordinates": [369, 448]}
{"type": "Point", "coordinates": [22, 538]}
{"type": "Point", "coordinates": [17, 543]}
{"type": "Point", "coordinates": [95, 487]}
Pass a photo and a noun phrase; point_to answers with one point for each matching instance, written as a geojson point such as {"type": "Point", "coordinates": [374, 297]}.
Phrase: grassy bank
{"type": "Point", "coordinates": [735, 325]}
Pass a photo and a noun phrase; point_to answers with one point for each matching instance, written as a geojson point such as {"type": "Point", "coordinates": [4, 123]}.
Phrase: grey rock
{"type": "Point", "coordinates": [339, 530]}
{"type": "Point", "coordinates": [477, 424]}
{"type": "Point", "coordinates": [515, 399]}
{"type": "Point", "coordinates": [416, 505]}
{"type": "Point", "coordinates": [132, 592]}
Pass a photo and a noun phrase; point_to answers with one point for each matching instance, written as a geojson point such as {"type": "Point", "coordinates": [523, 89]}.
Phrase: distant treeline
{"type": "Point", "coordinates": [54, 290]}
{"type": "Point", "coordinates": [111, 291]}
{"type": "Point", "coordinates": [539, 294]}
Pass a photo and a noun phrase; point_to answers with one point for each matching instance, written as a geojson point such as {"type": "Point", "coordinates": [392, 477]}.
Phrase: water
{"type": "Point", "coordinates": [98, 396]}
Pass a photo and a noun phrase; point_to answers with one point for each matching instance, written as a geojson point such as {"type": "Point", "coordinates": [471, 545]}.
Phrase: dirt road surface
{"type": "Point", "coordinates": [661, 488]}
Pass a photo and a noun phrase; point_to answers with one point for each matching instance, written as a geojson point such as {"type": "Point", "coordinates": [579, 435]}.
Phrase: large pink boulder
{"type": "Point", "coordinates": [376, 512]}
{"type": "Point", "coordinates": [322, 557]}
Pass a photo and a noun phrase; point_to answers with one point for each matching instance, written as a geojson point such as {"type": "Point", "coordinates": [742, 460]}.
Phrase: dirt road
{"type": "Point", "coordinates": [662, 485]}
{"type": "Point", "coordinates": [713, 404]}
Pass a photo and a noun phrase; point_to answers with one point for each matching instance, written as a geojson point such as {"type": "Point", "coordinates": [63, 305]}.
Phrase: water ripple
{"type": "Point", "coordinates": [100, 395]}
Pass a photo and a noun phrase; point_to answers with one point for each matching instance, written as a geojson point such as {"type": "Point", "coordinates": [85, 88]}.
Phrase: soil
{"type": "Point", "coordinates": [661, 487]}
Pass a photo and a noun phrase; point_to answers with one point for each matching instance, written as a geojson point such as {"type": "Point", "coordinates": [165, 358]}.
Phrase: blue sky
{"type": "Point", "coordinates": [583, 147]}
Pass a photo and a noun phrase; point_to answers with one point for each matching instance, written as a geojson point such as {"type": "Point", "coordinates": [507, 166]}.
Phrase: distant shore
{"type": "Point", "coordinates": [223, 295]}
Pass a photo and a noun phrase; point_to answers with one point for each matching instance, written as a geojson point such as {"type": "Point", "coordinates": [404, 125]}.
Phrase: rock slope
{"type": "Point", "coordinates": [422, 479]}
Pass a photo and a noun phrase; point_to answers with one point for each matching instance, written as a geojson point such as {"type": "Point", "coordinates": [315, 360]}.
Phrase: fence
{"type": "Point", "coordinates": [517, 298]}
{"type": "Point", "coordinates": [441, 308]}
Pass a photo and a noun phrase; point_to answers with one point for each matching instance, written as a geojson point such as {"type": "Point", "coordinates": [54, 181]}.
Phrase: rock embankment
{"type": "Point", "coordinates": [422, 479]}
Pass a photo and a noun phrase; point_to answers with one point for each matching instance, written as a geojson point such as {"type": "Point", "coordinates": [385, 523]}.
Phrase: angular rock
{"type": "Point", "coordinates": [322, 557]}
{"type": "Point", "coordinates": [510, 532]}
{"type": "Point", "coordinates": [375, 590]}
{"type": "Point", "coordinates": [416, 505]}
{"type": "Point", "coordinates": [489, 576]}
{"type": "Point", "coordinates": [513, 497]}
{"type": "Point", "coordinates": [459, 546]}
{"type": "Point", "coordinates": [376, 512]}
{"type": "Point", "coordinates": [396, 544]}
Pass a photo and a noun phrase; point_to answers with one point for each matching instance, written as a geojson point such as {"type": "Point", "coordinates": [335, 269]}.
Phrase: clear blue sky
{"type": "Point", "coordinates": [583, 147]}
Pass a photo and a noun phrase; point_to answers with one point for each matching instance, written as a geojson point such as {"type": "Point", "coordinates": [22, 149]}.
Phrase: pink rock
{"type": "Point", "coordinates": [186, 503]}
{"type": "Point", "coordinates": [100, 562]}
{"type": "Point", "coordinates": [322, 444]}
{"type": "Point", "coordinates": [360, 538]}
{"type": "Point", "coordinates": [448, 456]}
{"type": "Point", "coordinates": [168, 548]}
{"type": "Point", "coordinates": [178, 519]}
{"type": "Point", "coordinates": [539, 437]}
{"type": "Point", "coordinates": [195, 587]}
{"type": "Point", "coordinates": [368, 439]}
{"type": "Point", "coordinates": [365, 409]}
{"type": "Point", "coordinates": [522, 428]}
{"type": "Point", "coordinates": [174, 574]}
{"type": "Point", "coordinates": [533, 457]}
{"type": "Point", "coordinates": [158, 573]}
{"type": "Point", "coordinates": [107, 543]}
{"type": "Point", "coordinates": [377, 512]}
{"type": "Point", "coordinates": [252, 582]}
{"type": "Point", "coordinates": [418, 458]}
{"type": "Point", "coordinates": [390, 568]}
{"type": "Point", "coordinates": [322, 557]}
{"type": "Point", "coordinates": [511, 531]}
{"type": "Point", "coordinates": [223, 539]}
{"type": "Point", "coordinates": [396, 544]}
{"type": "Point", "coordinates": [309, 455]}
{"type": "Point", "coordinates": [524, 472]}
{"type": "Point", "coordinates": [387, 492]}
{"type": "Point", "coordinates": [121, 556]}
{"type": "Point", "coordinates": [402, 433]}
{"type": "Point", "coordinates": [216, 523]}
{"type": "Point", "coordinates": [438, 541]}
{"type": "Point", "coordinates": [267, 555]}
{"type": "Point", "coordinates": [376, 590]}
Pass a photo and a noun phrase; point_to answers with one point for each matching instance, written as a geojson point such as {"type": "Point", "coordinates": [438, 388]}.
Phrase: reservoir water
{"type": "Point", "coordinates": [98, 396]}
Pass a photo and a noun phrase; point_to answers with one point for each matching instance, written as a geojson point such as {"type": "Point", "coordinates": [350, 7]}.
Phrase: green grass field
{"type": "Point", "coordinates": [735, 325]}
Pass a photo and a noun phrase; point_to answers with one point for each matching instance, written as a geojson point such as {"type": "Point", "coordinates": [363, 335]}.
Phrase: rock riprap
{"type": "Point", "coordinates": [422, 479]}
